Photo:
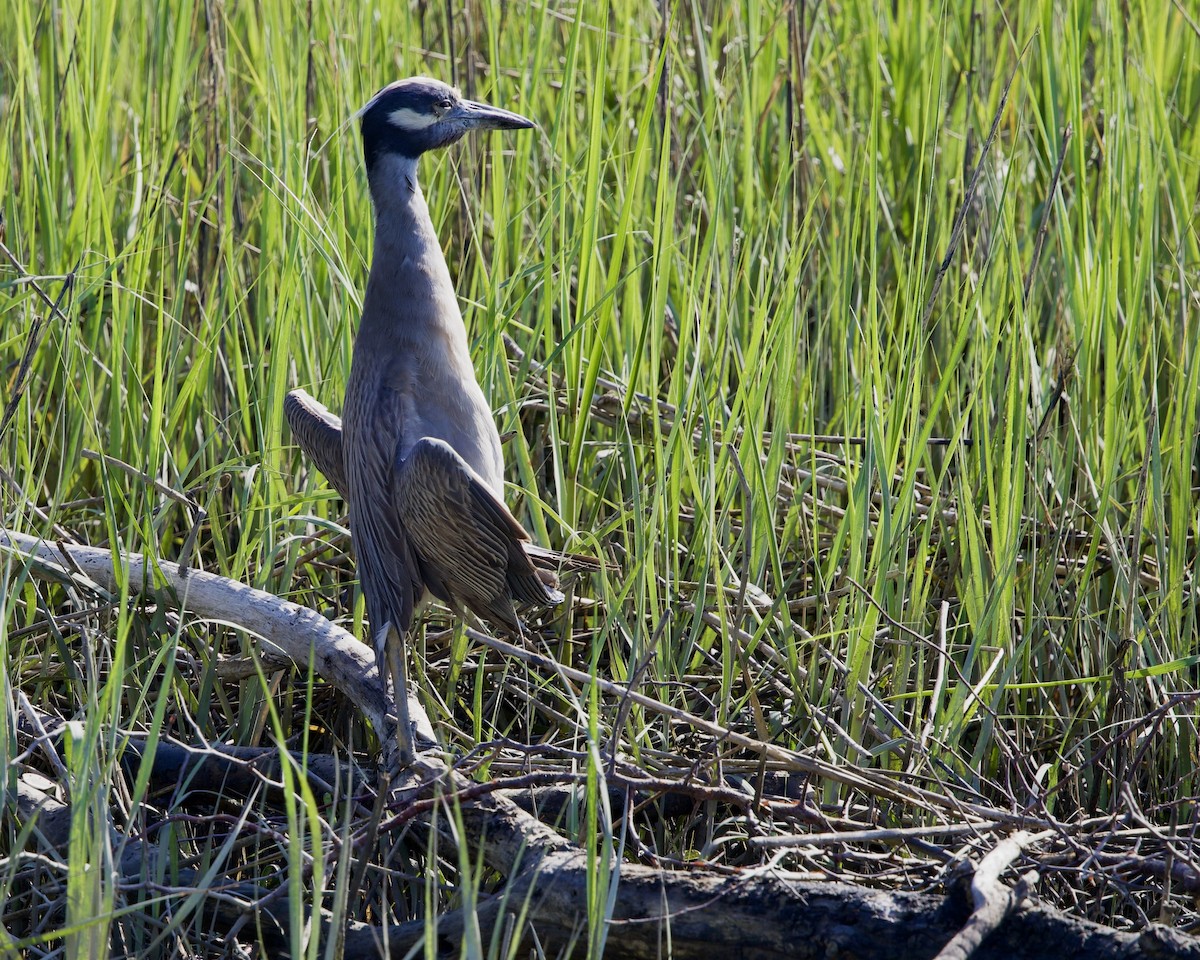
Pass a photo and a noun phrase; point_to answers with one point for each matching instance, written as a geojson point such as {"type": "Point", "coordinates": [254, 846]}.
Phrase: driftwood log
{"type": "Point", "coordinates": [698, 912]}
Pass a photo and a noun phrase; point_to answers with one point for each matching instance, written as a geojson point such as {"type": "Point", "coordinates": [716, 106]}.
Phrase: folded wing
{"type": "Point", "coordinates": [471, 550]}
{"type": "Point", "coordinates": [319, 434]}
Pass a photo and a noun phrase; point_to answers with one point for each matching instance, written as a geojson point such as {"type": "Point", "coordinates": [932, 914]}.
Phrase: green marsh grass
{"type": "Point", "coordinates": [724, 240]}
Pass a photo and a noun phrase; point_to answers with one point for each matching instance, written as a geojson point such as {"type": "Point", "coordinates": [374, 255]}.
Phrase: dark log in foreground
{"type": "Point", "coordinates": [761, 917]}
{"type": "Point", "coordinates": [698, 912]}
{"type": "Point", "coordinates": [224, 769]}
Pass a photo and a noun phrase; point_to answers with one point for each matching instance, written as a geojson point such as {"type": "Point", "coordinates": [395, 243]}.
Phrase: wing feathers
{"type": "Point", "coordinates": [469, 545]}
{"type": "Point", "coordinates": [459, 539]}
{"type": "Point", "coordinates": [319, 434]}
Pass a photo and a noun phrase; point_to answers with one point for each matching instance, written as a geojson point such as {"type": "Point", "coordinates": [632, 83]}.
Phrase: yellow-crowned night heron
{"type": "Point", "coordinates": [417, 455]}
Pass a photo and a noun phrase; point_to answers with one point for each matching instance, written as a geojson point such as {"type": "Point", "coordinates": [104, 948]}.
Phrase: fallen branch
{"type": "Point", "coordinates": [282, 627]}
{"type": "Point", "coordinates": [761, 915]}
{"type": "Point", "coordinates": [993, 900]}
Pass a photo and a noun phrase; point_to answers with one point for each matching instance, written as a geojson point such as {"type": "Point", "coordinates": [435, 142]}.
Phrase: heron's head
{"type": "Point", "coordinates": [411, 116]}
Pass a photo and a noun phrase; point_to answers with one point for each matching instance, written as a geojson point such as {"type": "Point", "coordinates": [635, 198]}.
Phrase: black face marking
{"type": "Point", "coordinates": [411, 116]}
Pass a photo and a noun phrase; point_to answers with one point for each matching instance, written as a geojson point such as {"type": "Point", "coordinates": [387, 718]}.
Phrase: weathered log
{"type": "Point", "coordinates": [759, 916]}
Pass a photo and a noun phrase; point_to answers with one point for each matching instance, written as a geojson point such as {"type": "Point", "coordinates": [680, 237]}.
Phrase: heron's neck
{"type": "Point", "coordinates": [394, 188]}
{"type": "Point", "coordinates": [409, 282]}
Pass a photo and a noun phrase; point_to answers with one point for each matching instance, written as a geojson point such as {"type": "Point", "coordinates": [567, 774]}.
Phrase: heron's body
{"type": "Point", "coordinates": [420, 455]}
{"type": "Point", "coordinates": [411, 378]}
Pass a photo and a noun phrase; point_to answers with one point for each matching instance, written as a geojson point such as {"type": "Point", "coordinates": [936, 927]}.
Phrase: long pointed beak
{"type": "Point", "coordinates": [480, 116]}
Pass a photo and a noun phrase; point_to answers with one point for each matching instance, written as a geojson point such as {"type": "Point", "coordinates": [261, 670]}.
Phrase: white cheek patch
{"type": "Point", "coordinates": [407, 119]}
